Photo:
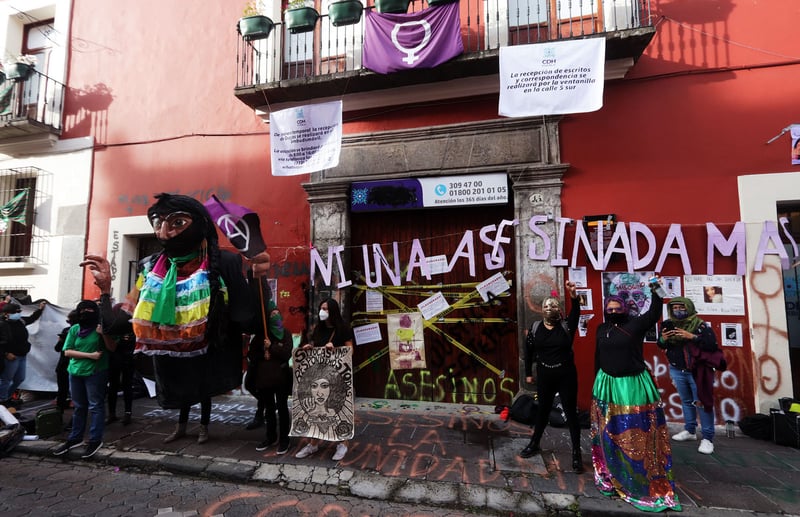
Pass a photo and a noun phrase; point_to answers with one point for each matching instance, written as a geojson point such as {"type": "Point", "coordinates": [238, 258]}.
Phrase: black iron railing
{"type": "Point", "coordinates": [485, 25]}
{"type": "Point", "coordinates": [35, 97]}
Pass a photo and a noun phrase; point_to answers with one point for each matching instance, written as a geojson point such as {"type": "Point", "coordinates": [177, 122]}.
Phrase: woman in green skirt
{"type": "Point", "coordinates": [630, 442]}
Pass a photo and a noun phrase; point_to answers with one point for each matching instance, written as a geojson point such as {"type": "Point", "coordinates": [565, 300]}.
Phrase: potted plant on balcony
{"type": "Point", "coordinates": [300, 16]}
{"type": "Point", "coordinates": [345, 12]}
{"type": "Point", "coordinates": [392, 6]}
{"type": "Point", "coordinates": [19, 68]}
{"type": "Point", "coordinates": [253, 25]}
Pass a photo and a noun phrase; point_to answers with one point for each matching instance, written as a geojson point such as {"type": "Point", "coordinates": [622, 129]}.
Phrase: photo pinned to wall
{"type": "Point", "coordinates": [732, 334]}
{"type": "Point", "coordinates": [585, 299]}
{"type": "Point", "coordinates": [322, 395]}
{"type": "Point", "coordinates": [577, 275]}
{"type": "Point", "coordinates": [406, 342]}
{"type": "Point", "coordinates": [672, 285]}
{"type": "Point", "coordinates": [583, 324]}
{"type": "Point", "coordinates": [715, 294]}
{"type": "Point", "coordinates": [795, 132]}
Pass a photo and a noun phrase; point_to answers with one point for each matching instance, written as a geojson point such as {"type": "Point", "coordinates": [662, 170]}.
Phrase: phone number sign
{"type": "Point", "coordinates": [479, 189]}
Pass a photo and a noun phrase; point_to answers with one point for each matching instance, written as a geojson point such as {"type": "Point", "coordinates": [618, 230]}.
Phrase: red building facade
{"type": "Point", "coordinates": [680, 140]}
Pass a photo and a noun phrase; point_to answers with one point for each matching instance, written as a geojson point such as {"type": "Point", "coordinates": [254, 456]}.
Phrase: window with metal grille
{"type": "Point", "coordinates": [20, 193]}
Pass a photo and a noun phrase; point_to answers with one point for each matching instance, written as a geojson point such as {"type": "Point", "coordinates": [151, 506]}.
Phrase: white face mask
{"type": "Point", "coordinates": [323, 315]}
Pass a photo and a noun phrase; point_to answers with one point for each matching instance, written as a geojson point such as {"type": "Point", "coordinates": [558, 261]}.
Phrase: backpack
{"type": "Point", "coordinates": [757, 426]}
{"type": "Point", "coordinates": [524, 409]}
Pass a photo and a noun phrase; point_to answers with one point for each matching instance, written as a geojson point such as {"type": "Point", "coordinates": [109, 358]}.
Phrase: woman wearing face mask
{"type": "Point", "coordinates": [14, 346]}
{"type": "Point", "coordinates": [331, 331]}
{"type": "Point", "coordinates": [549, 343]}
{"type": "Point", "coordinates": [630, 446]}
{"type": "Point", "coordinates": [683, 330]}
{"type": "Point", "coordinates": [269, 380]}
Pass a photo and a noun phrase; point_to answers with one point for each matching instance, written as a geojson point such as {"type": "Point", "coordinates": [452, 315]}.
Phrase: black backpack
{"type": "Point", "coordinates": [757, 426]}
{"type": "Point", "coordinates": [524, 409]}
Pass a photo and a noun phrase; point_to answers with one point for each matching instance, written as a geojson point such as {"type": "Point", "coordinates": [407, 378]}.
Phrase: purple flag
{"type": "Point", "coordinates": [241, 225]}
{"type": "Point", "coordinates": [424, 39]}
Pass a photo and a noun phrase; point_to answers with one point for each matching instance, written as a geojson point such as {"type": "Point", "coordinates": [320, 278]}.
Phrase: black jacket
{"type": "Point", "coordinates": [18, 343]}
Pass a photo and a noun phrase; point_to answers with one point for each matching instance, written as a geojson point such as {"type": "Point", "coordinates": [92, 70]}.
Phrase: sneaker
{"type": "Point", "coordinates": [706, 447]}
{"type": "Point", "coordinates": [684, 436]}
{"type": "Point", "coordinates": [66, 446]}
{"type": "Point", "coordinates": [126, 420]}
{"type": "Point", "coordinates": [306, 451]}
{"type": "Point", "coordinates": [283, 448]}
{"type": "Point", "coordinates": [341, 450]}
{"type": "Point", "coordinates": [91, 448]}
{"type": "Point", "coordinates": [111, 419]}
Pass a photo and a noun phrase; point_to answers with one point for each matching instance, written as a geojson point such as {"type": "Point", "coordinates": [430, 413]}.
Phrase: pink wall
{"type": "Point", "coordinates": [175, 125]}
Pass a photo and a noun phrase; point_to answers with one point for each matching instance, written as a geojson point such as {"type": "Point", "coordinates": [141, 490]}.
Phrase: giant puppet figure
{"type": "Point", "coordinates": [189, 308]}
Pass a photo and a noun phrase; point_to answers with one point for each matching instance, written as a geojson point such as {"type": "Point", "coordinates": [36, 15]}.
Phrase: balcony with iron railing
{"type": "Point", "coordinates": [31, 110]}
{"type": "Point", "coordinates": [286, 68]}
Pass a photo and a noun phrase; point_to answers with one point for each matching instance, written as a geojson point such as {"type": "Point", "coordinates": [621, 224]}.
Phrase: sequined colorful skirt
{"type": "Point", "coordinates": [630, 442]}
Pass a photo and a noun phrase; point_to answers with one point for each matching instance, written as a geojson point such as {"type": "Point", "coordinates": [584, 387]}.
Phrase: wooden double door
{"type": "Point", "coordinates": [470, 350]}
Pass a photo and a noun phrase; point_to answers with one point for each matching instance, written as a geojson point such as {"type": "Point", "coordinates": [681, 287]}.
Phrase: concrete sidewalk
{"type": "Point", "coordinates": [449, 455]}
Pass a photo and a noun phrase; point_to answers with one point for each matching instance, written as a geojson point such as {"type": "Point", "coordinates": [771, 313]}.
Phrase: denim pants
{"type": "Point", "coordinates": [12, 376]}
{"type": "Point", "coordinates": [687, 390]}
{"type": "Point", "coordinates": [88, 398]}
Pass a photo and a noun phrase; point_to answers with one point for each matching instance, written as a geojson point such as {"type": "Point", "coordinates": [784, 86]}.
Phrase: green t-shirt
{"type": "Point", "coordinates": [92, 343]}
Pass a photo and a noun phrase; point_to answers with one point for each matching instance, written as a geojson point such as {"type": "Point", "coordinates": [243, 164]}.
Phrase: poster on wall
{"type": "Point", "coordinates": [795, 131]}
{"type": "Point", "coordinates": [322, 395]}
{"type": "Point", "coordinates": [583, 324]}
{"type": "Point", "coordinates": [715, 294]}
{"type": "Point", "coordinates": [585, 299]}
{"type": "Point", "coordinates": [631, 287]}
{"type": "Point", "coordinates": [406, 342]}
{"type": "Point", "coordinates": [732, 334]}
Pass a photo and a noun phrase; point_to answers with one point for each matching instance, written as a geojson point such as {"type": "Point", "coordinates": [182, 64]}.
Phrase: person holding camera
{"type": "Point", "coordinates": [680, 334]}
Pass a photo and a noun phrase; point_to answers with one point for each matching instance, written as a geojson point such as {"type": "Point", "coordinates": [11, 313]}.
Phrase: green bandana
{"type": "Point", "coordinates": [690, 323]}
{"type": "Point", "coordinates": [164, 307]}
{"type": "Point", "coordinates": [275, 321]}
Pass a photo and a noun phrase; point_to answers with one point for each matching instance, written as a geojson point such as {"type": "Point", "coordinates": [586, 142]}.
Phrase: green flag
{"type": "Point", "coordinates": [14, 210]}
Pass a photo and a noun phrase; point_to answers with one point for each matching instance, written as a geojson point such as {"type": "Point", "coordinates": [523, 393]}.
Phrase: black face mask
{"type": "Point", "coordinates": [616, 317]}
{"type": "Point", "coordinates": [185, 242]}
{"type": "Point", "coordinates": [88, 319]}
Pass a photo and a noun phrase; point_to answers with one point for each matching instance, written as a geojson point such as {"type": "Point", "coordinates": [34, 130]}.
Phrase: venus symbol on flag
{"type": "Point", "coordinates": [411, 53]}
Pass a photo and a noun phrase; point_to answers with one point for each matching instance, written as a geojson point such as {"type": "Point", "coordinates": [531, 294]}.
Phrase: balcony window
{"type": "Point", "coordinates": [20, 193]}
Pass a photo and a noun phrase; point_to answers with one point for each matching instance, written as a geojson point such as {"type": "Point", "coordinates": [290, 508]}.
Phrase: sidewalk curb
{"type": "Point", "coordinates": [316, 479]}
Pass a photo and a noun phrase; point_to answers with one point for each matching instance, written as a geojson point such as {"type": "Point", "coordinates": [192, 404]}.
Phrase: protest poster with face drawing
{"type": "Point", "coordinates": [322, 396]}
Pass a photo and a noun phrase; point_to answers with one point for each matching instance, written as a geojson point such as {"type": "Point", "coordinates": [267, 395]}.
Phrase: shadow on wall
{"type": "Point", "coordinates": [86, 110]}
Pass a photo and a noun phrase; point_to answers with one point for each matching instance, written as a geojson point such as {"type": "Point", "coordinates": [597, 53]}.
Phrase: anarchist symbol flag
{"type": "Point", "coordinates": [241, 225]}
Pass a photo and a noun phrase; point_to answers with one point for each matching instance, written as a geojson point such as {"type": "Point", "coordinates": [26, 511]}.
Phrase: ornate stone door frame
{"type": "Point", "coordinates": [526, 149]}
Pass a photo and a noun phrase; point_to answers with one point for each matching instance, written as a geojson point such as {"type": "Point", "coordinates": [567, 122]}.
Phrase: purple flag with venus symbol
{"type": "Point", "coordinates": [423, 39]}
